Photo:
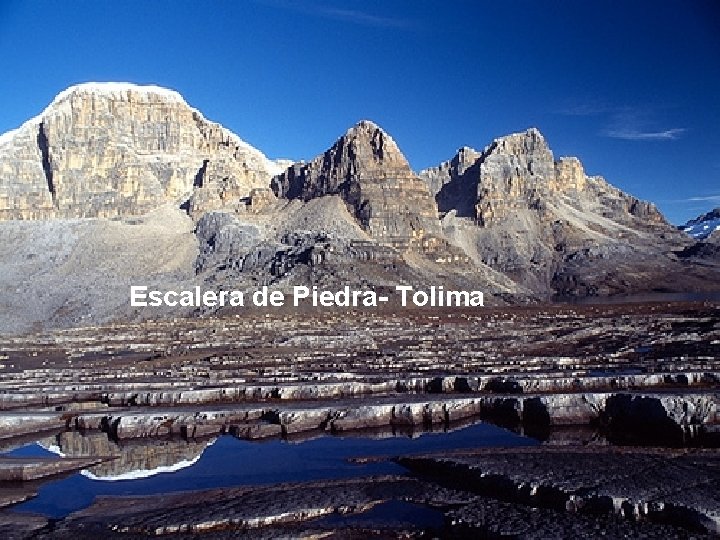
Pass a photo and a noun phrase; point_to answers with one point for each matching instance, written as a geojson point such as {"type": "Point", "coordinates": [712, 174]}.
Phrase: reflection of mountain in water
{"type": "Point", "coordinates": [135, 459]}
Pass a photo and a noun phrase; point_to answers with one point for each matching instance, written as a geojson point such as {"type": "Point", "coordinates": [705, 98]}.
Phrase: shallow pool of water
{"type": "Point", "coordinates": [228, 462]}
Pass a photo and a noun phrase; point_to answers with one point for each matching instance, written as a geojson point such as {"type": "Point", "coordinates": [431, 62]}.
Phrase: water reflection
{"type": "Point", "coordinates": [231, 462]}
{"type": "Point", "coordinates": [134, 459]}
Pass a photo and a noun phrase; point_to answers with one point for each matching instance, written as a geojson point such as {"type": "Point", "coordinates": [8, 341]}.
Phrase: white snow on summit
{"type": "Point", "coordinates": [118, 91]}
{"type": "Point", "coordinates": [112, 89]}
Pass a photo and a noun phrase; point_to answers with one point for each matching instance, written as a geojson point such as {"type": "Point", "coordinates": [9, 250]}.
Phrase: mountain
{"type": "Point", "coordinates": [366, 168]}
{"type": "Point", "coordinates": [703, 226]}
{"type": "Point", "coordinates": [552, 228]}
{"type": "Point", "coordinates": [116, 149]}
{"type": "Point", "coordinates": [115, 184]}
{"type": "Point", "coordinates": [355, 214]}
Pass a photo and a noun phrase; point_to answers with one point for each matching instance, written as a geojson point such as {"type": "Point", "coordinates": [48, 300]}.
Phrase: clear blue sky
{"type": "Point", "coordinates": [632, 88]}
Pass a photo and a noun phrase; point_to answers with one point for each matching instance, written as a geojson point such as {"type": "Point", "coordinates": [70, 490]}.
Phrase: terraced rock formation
{"type": "Point", "coordinates": [594, 386]}
{"type": "Point", "coordinates": [537, 369]}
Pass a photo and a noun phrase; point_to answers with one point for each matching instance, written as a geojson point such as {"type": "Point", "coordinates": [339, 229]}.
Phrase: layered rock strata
{"type": "Point", "coordinates": [548, 225]}
{"type": "Point", "coordinates": [510, 220]}
{"type": "Point", "coordinates": [365, 166]}
{"type": "Point", "coordinates": [112, 149]}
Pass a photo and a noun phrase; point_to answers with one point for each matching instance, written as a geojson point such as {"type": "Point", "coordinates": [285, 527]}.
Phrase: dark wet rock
{"type": "Point", "coordinates": [661, 486]}
{"type": "Point", "coordinates": [641, 419]}
{"type": "Point", "coordinates": [519, 493]}
{"type": "Point", "coordinates": [239, 510]}
{"type": "Point", "coordinates": [16, 526]}
{"type": "Point", "coordinates": [490, 518]}
{"type": "Point", "coordinates": [503, 386]}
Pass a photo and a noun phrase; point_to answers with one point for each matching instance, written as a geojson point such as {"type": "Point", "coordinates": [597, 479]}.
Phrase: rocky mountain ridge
{"type": "Point", "coordinates": [115, 150]}
{"type": "Point", "coordinates": [532, 217]}
{"type": "Point", "coordinates": [160, 182]}
{"type": "Point", "coordinates": [366, 168]}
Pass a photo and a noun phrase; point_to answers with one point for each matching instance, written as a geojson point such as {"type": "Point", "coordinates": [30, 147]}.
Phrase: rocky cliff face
{"type": "Point", "coordinates": [518, 172]}
{"type": "Point", "coordinates": [437, 177]}
{"type": "Point", "coordinates": [366, 168]}
{"type": "Point", "coordinates": [106, 150]}
{"type": "Point", "coordinates": [546, 223]}
{"type": "Point", "coordinates": [514, 171]}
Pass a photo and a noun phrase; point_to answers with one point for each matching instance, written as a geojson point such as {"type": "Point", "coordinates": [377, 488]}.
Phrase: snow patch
{"type": "Point", "coordinates": [7, 137]}
{"type": "Point", "coordinates": [54, 448]}
{"type": "Point", "coordinates": [117, 90]}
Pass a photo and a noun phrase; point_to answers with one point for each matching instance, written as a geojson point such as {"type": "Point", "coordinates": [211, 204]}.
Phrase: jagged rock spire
{"type": "Point", "coordinates": [366, 167]}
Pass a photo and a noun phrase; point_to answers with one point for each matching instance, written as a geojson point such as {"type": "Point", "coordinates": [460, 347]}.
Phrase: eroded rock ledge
{"type": "Point", "coordinates": [155, 394]}
{"type": "Point", "coordinates": [522, 493]}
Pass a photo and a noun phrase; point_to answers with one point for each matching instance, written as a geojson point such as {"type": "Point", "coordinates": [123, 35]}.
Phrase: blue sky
{"type": "Point", "coordinates": [632, 88]}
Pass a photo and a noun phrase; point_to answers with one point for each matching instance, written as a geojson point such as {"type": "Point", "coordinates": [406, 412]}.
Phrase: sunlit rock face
{"type": "Point", "coordinates": [174, 198]}
{"type": "Point", "coordinates": [366, 167]}
{"type": "Point", "coordinates": [546, 224]}
{"type": "Point", "coordinates": [513, 172]}
{"type": "Point", "coordinates": [569, 175]}
{"type": "Point", "coordinates": [519, 172]}
{"type": "Point", "coordinates": [116, 149]}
